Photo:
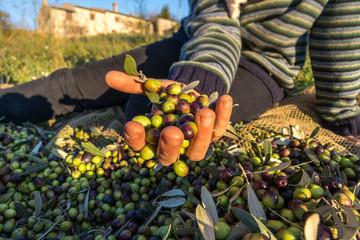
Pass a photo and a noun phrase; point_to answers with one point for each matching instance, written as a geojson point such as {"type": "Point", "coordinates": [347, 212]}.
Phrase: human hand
{"type": "Point", "coordinates": [211, 125]}
{"type": "Point", "coordinates": [234, 7]}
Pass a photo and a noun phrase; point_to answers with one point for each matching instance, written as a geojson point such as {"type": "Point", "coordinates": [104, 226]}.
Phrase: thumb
{"type": "Point", "coordinates": [234, 7]}
{"type": "Point", "coordinates": [124, 82]}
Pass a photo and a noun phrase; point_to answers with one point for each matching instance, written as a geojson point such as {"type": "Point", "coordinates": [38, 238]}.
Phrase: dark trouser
{"type": "Point", "coordinates": [84, 87]}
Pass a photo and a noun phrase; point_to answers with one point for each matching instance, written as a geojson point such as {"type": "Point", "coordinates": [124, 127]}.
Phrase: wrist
{"type": "Point", "coordinates": [209, 81]}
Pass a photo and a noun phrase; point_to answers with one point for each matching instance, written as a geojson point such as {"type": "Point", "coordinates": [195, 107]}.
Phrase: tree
{"type": "Point", "coordinates": [4, 21]}
{"type": "Point", "coordinates": [165, 13]}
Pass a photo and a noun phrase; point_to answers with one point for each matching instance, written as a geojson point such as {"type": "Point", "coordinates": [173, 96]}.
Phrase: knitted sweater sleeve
{"type": "Point", "coordinates": [212, 53]}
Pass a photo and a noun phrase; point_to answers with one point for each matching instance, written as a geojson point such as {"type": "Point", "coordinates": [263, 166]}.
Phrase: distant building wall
{"type": "Point", "coordinates": [71, 20]}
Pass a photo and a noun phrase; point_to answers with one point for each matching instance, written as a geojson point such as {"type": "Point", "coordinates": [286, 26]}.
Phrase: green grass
{"type": "Point", "coordinates": [26, 56]}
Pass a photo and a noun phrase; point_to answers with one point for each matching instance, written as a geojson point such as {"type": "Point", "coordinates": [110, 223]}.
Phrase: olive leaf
{"type": "Point", "coordinates": [86, 203]}
{"type": "Point", "coordinates": [209, 152]}
{"type": "Point", "coordinates": [233, 198]}
{"type": "Point", "coordinates": [351, 223]}
{"type": "Point", "coordinates": [5, 197]}
{"type": "Point", "coordinates": [49, 206]}
{"type": "Point", "coordinates": [190, 214]}
{"type": "Point", "coordinates": [246, 218]}
{"type": "Point", "coordinates": [326, 172]}
{"type": "Point", "coordinates": [213, 171]}
{"type": "Point", "coordinates": [167, 233]}
{"type": "Point", "coordinates": [224, 190]}
{"type": "Point", "coordinates": [34, 159]}
{"type": "Point", "coordinates": [231, 132]}
{"type": "Point", "coordinates": [204, 222]}
{"type": "Point", "coordinates": [16, 145]}
{"type": "Point", "coordinates": [196, 201]}
{"type": "Point", "coordinates": [158, 167]}
{"type": "Point", "coordinates": [190, 86]}
{"type": "Point", "coordinates": [256, 149]}
{"type": "Point", "coordinates": [162, 185]}
{"type": "Point", "coordinates": [213, 97]}
{"type": "Point", "coordinates": [267, 148]}
{"type": "Point", "coordinates": [316, 131]}
{"type": "Point", "coordinates": [312, 156]}
{"type": "Point", "coordinates": [252, 222]}
{"type": "Point", "coordinates": [296, 133]}
{"type": "Point", "coordinates": [282, 141]}
{"type": "Point", "coordinates": [21, 210]}
{"type": "Point", "coordinates": [234, 150]}
{"type": "Point", "coordinates": [37, 147]}
{"type": "Point", "coordinates": [187, 231]}
{"type": "Point", "coordinates": [299, 178]}
{"type": "Point", "coordinates": [34, 168]}
{"type": "Point", "coordinates": [209, 205]}
{"type": "Point", "coordinates": [61, 235]}
{"type": "Point", "coordinates": [153, 215]}
{"type": "Point", "coordinates": [37, 203]}
{"type": "Point", "coordinates": [281, 166]}
{"type": "Point", "coordinates": [324, 211]}
{"type": "Point", "coordinates": [172, 202]}
{"type": "Point", "coordinates": [50, 229]}
{"type": "Point", "coordinates": [311, 227]}
{"type": "Point", "coordinates": [91, 148]}
{"type": "Point", "coordinates": [255, 207]}
{"type": "Point", "coordinates": [171, 193]}
{"type": "Point", "coordinates": [130, 66]}
{"type": "Point", "coordinates": [238, 231]}
{"type": "Point", "coordinates": [153, 96]}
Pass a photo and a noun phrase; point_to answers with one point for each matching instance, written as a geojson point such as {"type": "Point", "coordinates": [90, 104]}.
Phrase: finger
{"type": "Point", "coordinates": [134, 134]}
{"type": "Point", "coordinates": [353, 139]}
{"type": "Point", "coordinates": [170, 142]}
{"type": "Point", "coordinates": [223, 114]}
{"type": "Point", "coordinates": [199, 145]}
{"type": "Point", "coordinates": [124, 82]}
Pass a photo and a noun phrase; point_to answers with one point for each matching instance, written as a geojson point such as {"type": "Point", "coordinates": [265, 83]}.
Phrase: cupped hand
{"type": "Point", "coordinates": [211, 125]}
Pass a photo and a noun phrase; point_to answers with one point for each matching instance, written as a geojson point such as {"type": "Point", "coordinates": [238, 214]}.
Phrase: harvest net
{"type": "Point", "coordinates": [105, 124]}
{"type": "Point", "coordinates": [298, 109]}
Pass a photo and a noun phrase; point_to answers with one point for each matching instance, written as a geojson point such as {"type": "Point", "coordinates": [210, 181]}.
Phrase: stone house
{"type": "Point", "coordinates": [70, 20]}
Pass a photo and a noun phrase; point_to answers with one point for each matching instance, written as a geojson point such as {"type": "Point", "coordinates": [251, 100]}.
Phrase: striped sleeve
{"type": "Point", "coordinates": [212, 53]}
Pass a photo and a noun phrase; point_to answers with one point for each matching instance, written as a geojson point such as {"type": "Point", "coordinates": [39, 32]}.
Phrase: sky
{"type": "Point", "coordinates": [23, 12]}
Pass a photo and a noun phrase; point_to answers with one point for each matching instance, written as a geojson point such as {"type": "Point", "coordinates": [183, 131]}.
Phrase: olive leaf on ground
{"type": "Point", "coordinates": [238, 231]}
{"type": "Point", "coordinates": [6, 196]}
{"type": "Point", "coordinates": [37, 203]}
{"type": "Point", "coordinates": [255, 207]}
{"type": "Point", "coordinates": [252, 222]}
{"type": "Point", "coordinates": [91, 148]}
{"type": "Point", "coordinates": [204, 222]}
{"type": "Point", "coordinates": [311, 227]}
{"type": "Point", "coordinates": [21, 210]}
{"type": "Point", "coordinates": [209, 205]}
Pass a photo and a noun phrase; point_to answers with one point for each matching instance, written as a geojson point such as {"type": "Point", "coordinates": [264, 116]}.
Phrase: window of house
{"type": "Point", "coordinates": [117, 19]}
{"type": "Point", "coordinates": [68, 15]}
{"type": "Point", "coordinates": [92, 16]}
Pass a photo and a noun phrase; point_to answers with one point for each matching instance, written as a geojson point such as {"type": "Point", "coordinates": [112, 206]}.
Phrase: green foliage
{"type": "Point", "coordinates": [28, 55]}
{"type": "Point", "coordinates": [165, 13]}
{"type": "Point", "coordinates": [4, 21]}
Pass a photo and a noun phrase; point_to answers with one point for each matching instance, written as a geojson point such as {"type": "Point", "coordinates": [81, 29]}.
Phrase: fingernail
{"type": "Point", "coordinates": [170, 141]}
{"type": "Point", "coordinates": [206, 120]}
{"type": "Point", "coordinates": [228, 104]}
